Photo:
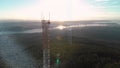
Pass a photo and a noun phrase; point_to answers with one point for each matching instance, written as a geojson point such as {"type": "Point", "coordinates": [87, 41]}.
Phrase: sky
{"type": "Point", "coordinates": [59, 10]}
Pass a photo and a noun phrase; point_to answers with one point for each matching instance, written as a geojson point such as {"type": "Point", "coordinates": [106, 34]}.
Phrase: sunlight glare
{"type": "Point", "coordinates": [60, 10]}
{"type": "Point", "coordinates": [68, 9]}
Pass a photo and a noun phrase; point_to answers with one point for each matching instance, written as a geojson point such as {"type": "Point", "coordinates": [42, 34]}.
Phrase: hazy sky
{"type": "Point", "coordinates": [60, 9]}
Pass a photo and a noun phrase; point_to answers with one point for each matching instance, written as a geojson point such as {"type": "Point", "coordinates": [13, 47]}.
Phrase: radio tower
{"type": "Point", "coordinates": [46, 46]}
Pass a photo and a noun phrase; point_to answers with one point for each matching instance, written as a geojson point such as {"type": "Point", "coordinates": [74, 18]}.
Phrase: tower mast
{"type": "Point", "coordinates": [46, 45]}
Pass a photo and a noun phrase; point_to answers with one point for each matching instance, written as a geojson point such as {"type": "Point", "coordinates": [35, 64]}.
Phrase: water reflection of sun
{"type": "Point", "coordinates": [61, 27]}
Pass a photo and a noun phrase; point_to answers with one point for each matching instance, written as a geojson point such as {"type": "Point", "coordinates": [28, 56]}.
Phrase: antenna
{"type": "Point", "coordinates": [42, 16]}
{"type": "Point", "coordinates": [49, 15]}
{"type": "Point", "coordinates": [49, 18]}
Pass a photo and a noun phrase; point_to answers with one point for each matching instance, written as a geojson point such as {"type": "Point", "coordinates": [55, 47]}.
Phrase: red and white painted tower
{"type": "Point", "coordinates": [46, 45]}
